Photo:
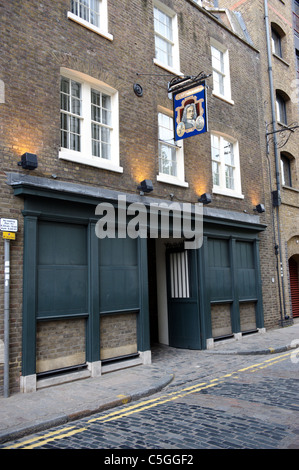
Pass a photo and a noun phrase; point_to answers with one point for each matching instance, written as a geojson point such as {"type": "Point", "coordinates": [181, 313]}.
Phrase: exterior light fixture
{"type": "Point", "coordinates": [205, 198]}
{"type": "Point", "coordinates": [28, 161]}
{"type": "Point", "coordinates": [146, 186]}
{"type": "Point", "coordinates": [259, 208]}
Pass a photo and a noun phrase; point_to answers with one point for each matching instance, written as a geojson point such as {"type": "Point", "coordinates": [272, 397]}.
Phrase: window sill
{"type": "Point", "coordinates": [100, 163]}
{"type": "Point", "coordinates": [290, 188]}
{"type": "Point", "coordinates": [163, 178]}
{"type": "Point", "coordinates": [223, 98]}
{"type": "Point", "coordinates": [169, 69]}
{"type": "Point", "coordinates": [227, 192]}
{"type": "Point", "coordinates": [90, 26]}
{"type": "Point", "coordinates": [281, 59]}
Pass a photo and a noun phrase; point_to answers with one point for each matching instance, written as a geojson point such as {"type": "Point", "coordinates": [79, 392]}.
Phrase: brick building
{"type": "Point", "coordinates": [275, 24]}
{"type": "Point", "coordinates": [82, 305]}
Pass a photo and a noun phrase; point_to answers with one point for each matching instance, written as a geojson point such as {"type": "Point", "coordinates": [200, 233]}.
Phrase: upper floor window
{"type": "Point", "coordinates": [221, 74]}
{"type": "Point", "coordinates": [93, 14]}
{"type": "Point", "coordinates": [225, 166]}
{"type": "Point", "coordinates": [276, 43]}
{"type": "Point", "coordinates": [286, 175]}
{"type": "Point", "coordinates": [281, 110]}
{"type": "Point", "coordinates": [89, 121]}
{"type": "Point", "coordinates": [171, 155]}
{"type": "Point", "coordinates": [166, 37]}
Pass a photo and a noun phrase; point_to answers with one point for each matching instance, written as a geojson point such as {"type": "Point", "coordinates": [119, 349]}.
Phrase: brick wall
{"type": "Point", "coordinates": [284, 75]}
{"type": "Point", "coordinates": [221, 320]}
{"type": "Point", "coordinates": [118, 335]}
{"type": "Point", "coordinates": [38, 39]}
{"type": "Point", "coordinates": [60, 344]}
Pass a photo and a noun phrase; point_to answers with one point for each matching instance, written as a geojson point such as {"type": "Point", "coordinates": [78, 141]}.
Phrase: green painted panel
{"type": "Point", "coordinates": [246, 273]}
{"type": "Point", "coordinates": [62, 276]}
{"type": "Point", "coordinates": [219, 282]}
{"type": "Point", "coordinates": [218, 253]}
{"type": "Point", "coordinates": [118, 252]}
{"type": "Point", "coordinates": [118, 274]}
{"type": "Point", "coordinates": [62, 244]}
{"type": "Point", "coordinates": [118, 288]}
{"type": "Point", "coordinates": [244, 255]}
{"type": "Point", "coordinates": [62, 290]}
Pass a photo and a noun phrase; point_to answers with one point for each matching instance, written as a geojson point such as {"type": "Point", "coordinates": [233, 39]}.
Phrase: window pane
{"type": "Point", "coordinates": [163, 24]}
{"type": "Point", "coordinates": [100, 141]}
{"type": "Point", "coordinates": [167, 150]}
{"type": "Point", "coordinates": [88, 10]}
{"type": "Point", "coordinates": [286, 171]}
{"type": "Point", "coordinates": [163, 37]}
{"type": "Point", "coordinates": [64, 139]}
{"type": "Point", "coordinates": [70, 99]}
{"type": "Point", "coordinates": [228, 153]}
{"type": "Point", "coordinates": [276, 43]}
{"type": "Point", "coordinates": [217, 59]}
{"type": "Point", "coordinates": [215, 171]}
{"type": "Point", "coordinates": [165, 128]}
{"type": "Point", "coordinates": [106, 151]}
{"type": "Point", "coordinates": [281, 110]}
{"type": "Point", "coordinates": [100, 107]}
{"type": "Point", "coordinates": [163, 51]}
{"type": "Point", "coordinates": [94, 12]}
{"type": "Point", "coordinates": [215, 148]}
{"type": "Point", "coordinates": [75, 142]}
{"type": "Point", "coordinates": [167, 160]}
{"type": "Point", "coordinates": [229, 177]}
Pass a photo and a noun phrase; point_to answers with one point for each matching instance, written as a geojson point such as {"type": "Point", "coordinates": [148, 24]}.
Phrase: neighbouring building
{"type": "Point", "coordinates": [86, 117]}
{"type": "Point", "coordinates": [274, 28]}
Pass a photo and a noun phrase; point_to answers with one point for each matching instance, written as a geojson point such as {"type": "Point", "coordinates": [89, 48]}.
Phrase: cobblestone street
{"type": "Point", "coordinates": [253, 406]}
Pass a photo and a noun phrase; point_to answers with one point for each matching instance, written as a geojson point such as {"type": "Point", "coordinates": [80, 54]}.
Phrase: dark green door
{"type": "Point", "coordinates": [182, 292]}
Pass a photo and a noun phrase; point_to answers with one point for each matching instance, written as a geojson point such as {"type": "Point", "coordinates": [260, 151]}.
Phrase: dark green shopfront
{"type": "Point", "coordinates": [93, 305]}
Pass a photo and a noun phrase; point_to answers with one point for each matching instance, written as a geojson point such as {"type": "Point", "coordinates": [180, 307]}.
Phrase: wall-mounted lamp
{"type": "Point", "coordinates": [205, 198]}
{"type": "Point", "coordinates": [28, 161]}
{"type": "Point", "coordinates": [259, 208]}
{"type": "Point", "coordinates": [146, 186]}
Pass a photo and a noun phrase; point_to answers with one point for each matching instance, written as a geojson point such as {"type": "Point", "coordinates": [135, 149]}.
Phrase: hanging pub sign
{"type": "Point", "coordinates": [190, 112]}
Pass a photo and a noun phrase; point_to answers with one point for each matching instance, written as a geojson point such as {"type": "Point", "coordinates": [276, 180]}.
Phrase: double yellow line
{"type": "Point", "coordinates": [69, 431]}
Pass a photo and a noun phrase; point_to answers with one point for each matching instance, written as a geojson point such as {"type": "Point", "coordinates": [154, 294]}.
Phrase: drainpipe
{"type": "Point", "coordinates": [277, 171]}
{"type": "Point", "coordinates": [6, 315]}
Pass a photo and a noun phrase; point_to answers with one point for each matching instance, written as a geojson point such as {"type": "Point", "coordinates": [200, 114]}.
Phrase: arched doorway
{"type": "Point", "coordinates": [294, 284]}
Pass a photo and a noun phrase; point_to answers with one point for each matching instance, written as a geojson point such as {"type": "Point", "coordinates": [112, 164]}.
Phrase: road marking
{"type": "Point", "coordinates": [54, 438]}
{"type": "Point", "coordinates": [147, 404]}
{"type": "Point", "coordinates": [50, 434]}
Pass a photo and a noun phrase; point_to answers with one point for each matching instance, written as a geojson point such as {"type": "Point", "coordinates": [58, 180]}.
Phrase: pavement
{"type": "Point", "coordinates": [26, 413]}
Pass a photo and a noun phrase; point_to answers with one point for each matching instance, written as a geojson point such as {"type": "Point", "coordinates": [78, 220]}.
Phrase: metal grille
{"type": "Point", "coordinates": [179, 275]}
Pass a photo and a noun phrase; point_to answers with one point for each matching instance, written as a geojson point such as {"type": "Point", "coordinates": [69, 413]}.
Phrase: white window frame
{"type": "Point", "coordinates": [179, 179]}
{"type": "Point", "coordinates": [175, 68]}
{"type": "Point", "coordinates": [281, 110]}
{"type": "Point", "coordinates": [221, 188]}
{"type": "Point", "coordinates": [84, 156]}
{"type": "Point", "coordinates": [225, 73]}
{"type": "Point", "coordinates": [102, 29]}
